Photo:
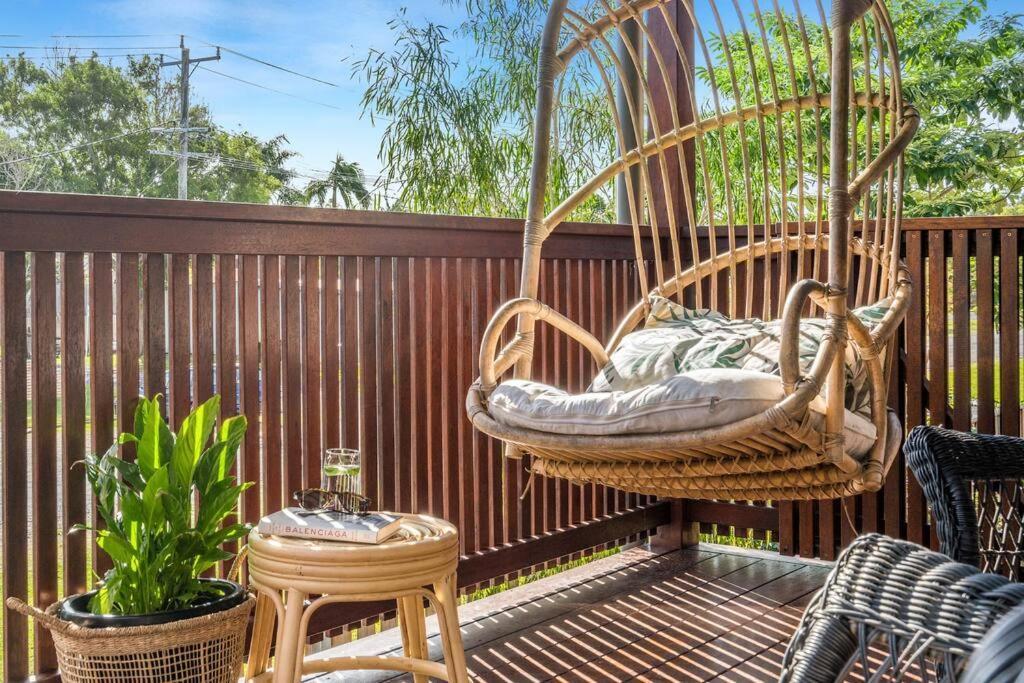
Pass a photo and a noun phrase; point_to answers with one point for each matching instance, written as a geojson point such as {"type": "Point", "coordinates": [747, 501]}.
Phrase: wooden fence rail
{"type": "Point", "coordinates": [360, 329]}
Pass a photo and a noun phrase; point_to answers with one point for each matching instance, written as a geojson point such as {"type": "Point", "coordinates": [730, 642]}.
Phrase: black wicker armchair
{"type": "Point", "coordinates": [1000, 656]}
{"type": "Point", "coordinates": [892, 610]}
{"type": "Point", "coordinates": [974, 484]}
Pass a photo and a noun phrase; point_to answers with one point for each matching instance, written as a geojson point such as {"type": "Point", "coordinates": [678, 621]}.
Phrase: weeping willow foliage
{"type": "Point", "coordinates": [459, 136]}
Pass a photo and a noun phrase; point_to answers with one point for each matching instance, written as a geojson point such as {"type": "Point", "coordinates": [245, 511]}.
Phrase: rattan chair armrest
{"type": "Point", "coordinates": [1000, 655]}
{"type": "Point", "coordinates": [945, 462]}
{"type": "Point", "coordinates": [887, 157]}
{"type": "Point", "coordinates": [493, 365]}
{"type": "Point", "coordinates": [789, 351]}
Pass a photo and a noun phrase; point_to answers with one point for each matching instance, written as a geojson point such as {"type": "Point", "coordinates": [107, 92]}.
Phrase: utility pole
{"type": "Point", "coordinates": [185, 63]}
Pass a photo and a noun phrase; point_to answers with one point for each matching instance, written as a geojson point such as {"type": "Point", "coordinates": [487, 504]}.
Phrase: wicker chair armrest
{"type": "Point", "coordinates": [899, 594]}
{"type": "Point", "coordinates": [999, 657]}
{"type": "Point", "coordinates": [945, 462]}
{"type": "Point", "coordinates": [493, 365]}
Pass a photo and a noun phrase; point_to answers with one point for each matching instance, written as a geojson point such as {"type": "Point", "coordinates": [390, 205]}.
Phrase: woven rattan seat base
{"type": "Point", "coordinates": [418, 563]}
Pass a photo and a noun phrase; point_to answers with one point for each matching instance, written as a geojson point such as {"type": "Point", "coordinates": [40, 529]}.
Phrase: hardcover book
{"type": "Point", "coordinates": [374, 527]}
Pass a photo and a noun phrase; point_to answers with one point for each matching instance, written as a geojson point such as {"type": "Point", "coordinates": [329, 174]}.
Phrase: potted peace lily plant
{"type": "Point", "coordinates": [166, 515]}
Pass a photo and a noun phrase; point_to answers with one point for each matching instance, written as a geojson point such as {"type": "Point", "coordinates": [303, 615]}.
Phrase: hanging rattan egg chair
{"type": "Point", "coordinates": [765, 205]}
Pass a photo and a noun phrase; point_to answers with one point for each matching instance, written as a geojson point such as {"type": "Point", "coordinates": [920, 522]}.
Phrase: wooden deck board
{"type": "Point", "coordinates": [712, 614]}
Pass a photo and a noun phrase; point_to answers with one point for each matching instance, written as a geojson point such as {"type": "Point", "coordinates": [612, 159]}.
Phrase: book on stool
{"type": "Point", "coordinates": [293, 522]}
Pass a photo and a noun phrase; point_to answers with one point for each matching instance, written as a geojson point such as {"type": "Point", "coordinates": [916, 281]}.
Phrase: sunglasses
{"type": "Point", "coordinates": [315, 501]}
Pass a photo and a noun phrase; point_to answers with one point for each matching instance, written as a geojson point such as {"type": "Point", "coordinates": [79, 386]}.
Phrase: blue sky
{"type": "Point", "coordinates": [310, 37]}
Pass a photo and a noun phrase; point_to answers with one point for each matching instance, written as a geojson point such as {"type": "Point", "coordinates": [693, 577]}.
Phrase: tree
{"type": "Point", "coordinates": [968, 156]}
{"type": "Point", "coordinates": [459, 136]}
{"type": "Point", "coordinates": [86, 125]}
{"type": "Point", "coordinates": [346, 179]}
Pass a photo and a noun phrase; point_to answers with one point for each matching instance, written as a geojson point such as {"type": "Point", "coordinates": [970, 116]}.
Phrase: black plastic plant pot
{"type": "Point", "coordinates": [76, 609]}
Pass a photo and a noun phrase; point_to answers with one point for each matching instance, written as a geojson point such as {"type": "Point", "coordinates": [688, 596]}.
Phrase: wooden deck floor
{"type": "Point", "coordinates": [701, 615]}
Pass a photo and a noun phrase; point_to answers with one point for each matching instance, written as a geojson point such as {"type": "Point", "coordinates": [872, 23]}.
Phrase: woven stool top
{"type": "Point", "coordinates": [423, 550]}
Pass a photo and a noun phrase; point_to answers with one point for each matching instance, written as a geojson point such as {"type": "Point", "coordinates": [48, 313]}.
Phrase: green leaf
{"type": "Point", "coordinates": [118, 548]}
{"type": "Point", "coordinates": [100, 603]}
{"type": "Point", "coordinates": [152, 498]}
{"type": "Point", "coordinates": [191, 440]}
{"type": "Point", "coordinates": [130, 473]}
{"type": "Point", "coordinates": [154, 446]}
{"type": "Point", "coordinates": [217, 504]}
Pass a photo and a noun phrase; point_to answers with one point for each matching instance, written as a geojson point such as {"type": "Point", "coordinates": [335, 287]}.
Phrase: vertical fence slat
{"type": "Point", "coordinates": [249, 376]}
{"type": "Point", "coordinates": [180, 337]}
{"type": "Point", "coordinates": [15, 463]}
{"type": "Point", "coordinates": [273, 454]}
{"type": "Point", "coordinates": [985, 272]}
{"type": "Point", "coordinates": [227, 361]}
{"type": "Point", "coordinates": [331, 353]}
{"type": "Point", "coordinates": [419, 341]}
{"type": "Point", "coordinates": [961, 310]}
{"type": "Point", "coordinates": [224, 364]}
{"type": "Point", "coordinates": [937, 315]}
{"type": "Point", "coordinates": [405, 397]}
{"type": "Point", "coordinates": [389, 473]}
{"type": "Point", "coordinates": [45, 531]}
{"type": "Point", "coordinates": [916, 381]}
{"type": "Point", "coordinates": [488, 447]}
{"type": "Point", "coordinates": [154, 325]}
{"type": "Point", "coordinates": [202, 328]}
{"type": "Point", "coordinates": [312, 292]}
{"type": "Point", "coordinates": [464, 455]}
{"type": "Point", "coordinates": [434, 343]}
{"type": "Point", "coordinates": [1009, 333]}
{"type": "Point", "coordinates": [73, 418]}
{"type": "Point", "coordinates": [128, 342]}
{"type": "Point", "coordinates": [101, 378]}
{"type": "Point", "coordinates": [368, 300]}
{"type": "Point", "coordinates": [350, 353]}
{"type": "Point", "coordinates": [294, 454]}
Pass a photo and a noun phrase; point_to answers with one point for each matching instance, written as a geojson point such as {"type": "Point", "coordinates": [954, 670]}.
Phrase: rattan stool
{"type": "Point", "coordinates": [418, 562]}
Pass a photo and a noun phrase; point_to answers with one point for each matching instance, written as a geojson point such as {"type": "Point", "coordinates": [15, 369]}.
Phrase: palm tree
{"type": "Point", "coordinates": [346, 179]}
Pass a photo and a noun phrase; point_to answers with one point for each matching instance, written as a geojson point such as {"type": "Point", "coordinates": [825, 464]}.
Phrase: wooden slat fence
{"type": "Point", "coordinates": [361, 329]}
{"type": "Point", "coordinates": [326, 328]}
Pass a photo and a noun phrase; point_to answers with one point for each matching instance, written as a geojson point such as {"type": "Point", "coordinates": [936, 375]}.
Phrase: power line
{"type": "Point", "coordinates": [270, 64]}
{"type": "Point", "coordinates": [71, 148]}
{"type": "Point", "coordinates": [157, 177]}
{"type": "Point", "coordinates": [78, 47]}
{"type": "Point", "coordinates": [116, 35]}
{"type": "Point", "coordinates": [274, 90]}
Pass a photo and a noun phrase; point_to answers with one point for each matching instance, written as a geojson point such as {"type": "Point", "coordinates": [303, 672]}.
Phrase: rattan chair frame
{"type": "Point", "coordinates": [781, 453]}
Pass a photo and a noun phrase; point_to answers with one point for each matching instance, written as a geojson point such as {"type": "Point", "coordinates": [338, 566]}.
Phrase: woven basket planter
{"type": "Point", "coordinates": [205, 649]}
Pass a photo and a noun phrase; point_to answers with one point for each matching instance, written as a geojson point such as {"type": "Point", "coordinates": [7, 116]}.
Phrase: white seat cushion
{"type": "Point", "coordinates": [686, 401]}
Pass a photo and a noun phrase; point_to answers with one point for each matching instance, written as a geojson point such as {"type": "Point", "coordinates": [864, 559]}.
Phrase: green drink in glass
{"type": "Point", "coordinates": [341, 470]}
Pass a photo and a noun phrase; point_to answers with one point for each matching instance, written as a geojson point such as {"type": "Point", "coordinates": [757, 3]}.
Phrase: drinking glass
{"type": "Point", "coordinates": [341, 470]}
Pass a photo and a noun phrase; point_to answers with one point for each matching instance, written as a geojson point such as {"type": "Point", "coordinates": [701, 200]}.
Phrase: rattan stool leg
{"type": "Point", "coordinates": [262, 632]}
{"type": "Point", "coordinates": [288, 658]}
{"type": "Point", "coordinates": [451, 637]}
{"type": "Point", "coordinates": [412, 619]}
